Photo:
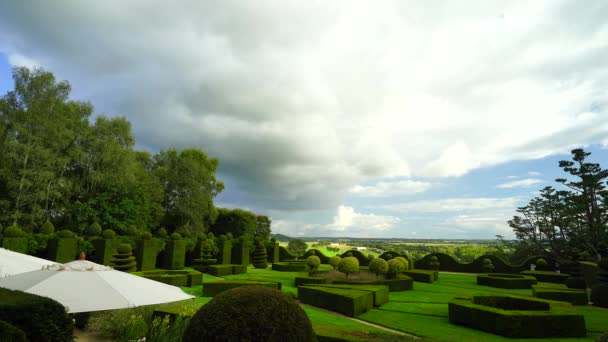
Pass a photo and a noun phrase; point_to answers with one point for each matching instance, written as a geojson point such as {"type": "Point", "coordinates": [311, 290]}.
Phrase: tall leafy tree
{"type": "Point", "coordinates": [263, 229]}
{"type": "Point", "coordinates": [240, 223]}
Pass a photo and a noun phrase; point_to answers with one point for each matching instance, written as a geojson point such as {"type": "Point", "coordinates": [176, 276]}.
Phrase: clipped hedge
{"type": "Point", "coordinates": [147, 251]}
{"type": "Point", "coordinates": [547, 277]}
{"type": "Point", "coordinates": [174, 277]}
{"type": "Point", "coordinates": [574, 297]}
{"type": "Point", "coordinates": [16, 244]}
{"type": "Point", "coordinates": [212, 289]}
{"type": "Point", "coordinates": [40, 318]}
{"type": "Point", "coordinates": [506, 281]}
{"type": "Point", "coordinates": [363, 260]}
{"type": "Point", "coordinates": [240, 255]}
{"type": "Point", "coordinates": [124, 260]}
{"type": "Point", "coordinates": [304, 280]}
{"type": "Point", "coordinates": [345, 301]}
{"type": "Point", "coordinates": [104, 248]}
{"type": "Point", "coordinates": [324, 258]}
{"type": "Point", "coordinates": [423, 276]}
{"type": "Point", "coordinates": [220, 270]}
{"type": "Point", "coordinates": [274, 253]}
{"type": "Point", "coordinates": [289, 267]}
{"type": "Point", "coordinates": [63, 250]}
{"type": "Point", "coordinates": [401, 283]}
{"type": "Point", "coordinates": [174, 256]}
{"type": "Point", "coordinates": [380, 292]}
{"type": "Point", "coordinates": [514, 316]}
{"type": "Point", "coordinates": [392, 254]}
{"type": "Point", "coordinates": [284, 254]}
{"type": "Point", "coordinates": [448, 263]}
{"type": "Point", "coordinates": [225, 252]}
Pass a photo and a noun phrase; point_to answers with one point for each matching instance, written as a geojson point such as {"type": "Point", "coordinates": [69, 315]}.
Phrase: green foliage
{"type": "Point", "coordinates": [212, 289]}
{"type": "Point", "coordinates": [146, 236]}
{"type": "Point", "coordinates": [108, 234]}
{"type": "Point", "coordinates": [94, 229]}
{"type": "Point", "coordinates": [121, 325]}
{"type": "Point", "coordinates": [162, 233]}
{"type": "Point", "coordinates": [9, 332]}
{"type": "Point", "coordinates": [104, 248]}
{"type": "Point", "coordinates": [506, 281]}
{"type": "Point", "coordinates": [406, 264]}
{"type": "Point", "coordinates": [41, 318]}
{"type": "Point", "coordinates": [263, 228]}
{"type": "Point", "coordinates": [423, 276]}
{"type": "Point", "coordinates": [313, 263]}
{"type": "Point", "coordinates": [250, 313]}
{"type": "Point", "coordinates": [174, 254]}
{"type": "Point", "coordinates": [434, 263]}
{"type": "Point", "coordinates": [237, 222]}
{"type": "Point", "coordinates": [13, 231]}
{"type": "Point", "coordinates": [260, 256]}
{"type": "Point", "coordinates": [350, 302]}
{"type": "Point", "coordinates": [176, 236]}
{"type": "Point", "coordinates": [335, 261]}
{"type": "Point", "coordinates": [167, 330]}
{"type": "Point", "coordinates": [297, 247]}
{"type": "Point", "coordinates": [349, 265]}
{"type": "Point", "coordinates": [65, 234]}
{"type": "Point", "coordinates": [63, 250]}
{"type": "Point", "coordinates": [487, 266]}
{"type": "Point", "coordinates": [541, 264]}
{"type": "Point", "coordinates": [47, 228]}
{"type": "Point", "coordinates": [124, 260]}
{"type": "Point", "coordinates": [378, 266]}
{"type": "Point", "coordinates": [395, 266]}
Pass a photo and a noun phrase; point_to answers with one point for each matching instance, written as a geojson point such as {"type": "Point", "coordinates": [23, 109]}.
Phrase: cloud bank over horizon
{"type": "Point", "coordinates": [344, 117]}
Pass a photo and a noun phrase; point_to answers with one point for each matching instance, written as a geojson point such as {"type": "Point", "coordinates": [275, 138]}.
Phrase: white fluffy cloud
{"type": "Point", "coordinates": [306, 102]}
{"type": "Point", "coordinates": [520, 183]}
{"type": "Point", "coordinates": [453, 204]}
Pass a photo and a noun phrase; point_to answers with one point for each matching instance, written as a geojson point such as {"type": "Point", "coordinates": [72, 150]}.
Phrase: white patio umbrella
{"type": "Point", "coordinates": [12, 263]}
{"type": "Point", "coordinates": [84, 286]}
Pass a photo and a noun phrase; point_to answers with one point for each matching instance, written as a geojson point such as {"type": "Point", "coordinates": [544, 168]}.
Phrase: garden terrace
{"type": "Point", "coordinates": [547, 277]}
{"type": "Point", "coordinates": [506, 281]}
{"type": "Point", "coordinates": [572, 296]}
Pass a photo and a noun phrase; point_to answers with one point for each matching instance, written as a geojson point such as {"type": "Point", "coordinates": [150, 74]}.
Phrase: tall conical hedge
{"type": "Point", "coordinates": [260, 256]}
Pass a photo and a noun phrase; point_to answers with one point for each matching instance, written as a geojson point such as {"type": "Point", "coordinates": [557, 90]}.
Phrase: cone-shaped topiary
{"type": "Point", "coordinates": [124, 260]}
{"type": "Point", "coordinates": [487, 266]}
{"type": "Point", "coordinates": [250, 313]}
{"type": "Point", "coordinates": [349, 265]}
{"type": "Point", "coordinates": [335, 261]}
{"type": "Point", "coordinates": [378, 266]}
{"type": "Point", "coordinates": [260, 256]}
{"type": "Point", "coordinates": [47, 228]}
{"type": "Point", "coordinates": [313, 263]}
{"type": "Point", "coordinates": [94, 229]}
{"type": "Point", "coordinates": [599, 292]}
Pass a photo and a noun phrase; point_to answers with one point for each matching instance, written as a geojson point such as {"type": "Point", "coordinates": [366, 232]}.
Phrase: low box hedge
{"type": "Point", "coordinates": [290, 266]}
{"type": "Point", "coordinates": [402, 283]}
{"type": "Point", "coordinates": [15, 244]}
{"type": "Point", "coordinates": [238, 269]}
{"type": "Point", "coordinates": [212, 289]}
{"type": "Point", "coordinates": [173, 277]}
{"type": "Point", "coordinates": [380, 292]}
{"type": "Point", "coordinates": [345, 301]}
{"type": "Point", "coordinates": [514, 316]}
{"type": "Point", "coordinates": [63, 250]}
{"type": "Point", "coordinates": [220, 270]}
{"type": "Point", "coordinates": [423, 276]}
{"type": "Point", "coordinates": [302, 280]}
{"type": "Point", "coordinates": [572, 296]}
{"type": "Point", "coordinates": [547, 277]}
{"type": "Point", "coordinates": [506, 281]}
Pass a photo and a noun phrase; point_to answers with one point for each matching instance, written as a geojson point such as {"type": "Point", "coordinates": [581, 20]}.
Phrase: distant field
{"type": "Point", "coordinates": [343, 248]}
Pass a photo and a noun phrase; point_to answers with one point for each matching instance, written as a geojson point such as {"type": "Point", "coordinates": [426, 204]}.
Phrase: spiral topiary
{"type": "Point", "coordinates": [260, 256]}
{"type": "Point", "coordinates": [349, 265]}
{"type": "Point", "coordinates": [94, 229]}
{"type": "Point", "coordinates": [404, 261]}
{"type": "Point", "coordinates": [335, 261]}
{"type": "Point", "coordinates": [378, 266]}
{"type": "Point", "coordinates": [250, 313]}
{"type": "Point", "coordinates": [123, 260]}
{"type": "Point", "coordinates": [47, 228]}
{"type": "Point", "coordinates": [313, 263]}
{"type": "Point", "coordinates": [487, 266]}
{"type": "Point", "coordinates": [13, 231]}
{"type": "Point", "coordinates": [108, 234]}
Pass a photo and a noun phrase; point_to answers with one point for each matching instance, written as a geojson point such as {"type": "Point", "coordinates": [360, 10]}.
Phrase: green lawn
{"type": "Point", "coordinates": [422, 312]}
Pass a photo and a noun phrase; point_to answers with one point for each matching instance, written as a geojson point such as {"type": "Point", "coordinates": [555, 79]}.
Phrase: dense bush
{"type": "Point", "coordinates": [124, 260]}
{"type": "Point", "coordinates": [599, 292]}
{"type": "Point", "coordinates": [395, 267]}
{"type": "Point", "coordinates": [65, 234]}
{"type": "Point", "coordinates": [109, 234]}
{"type": "Point", "coordinates": [313, 263]}
{"type": "Point", "coordinates": [40, 318]}
{"type": "Point", "coordinates": [434, 263]}
{"type": "Point", "coordinates": [349, 265]}
{"type": "Point", "coordinates": [250, 313]}
{"type": "Point", "coordinates": [47, 228]}
{"type": "Point", "coordinates": [13, 231]}
{"type": "Point", "coordinates": [406, 264]}
{"type": "Point", "coordinates": [146, 236]}
{"type": "Point", "coordinates": [335, 261]}
{"type": "Point", "coordinates": [176, 236]}
{"type": "Point", "coordinates": [9, 332]}
{"type": "Point", "coordinates": [487, 266]}
{"type": "Point", "coordinates": [162, 233]}
{"type": "Point", "coordinates": [378, 266]}
{"type": "Point", "coordinates": [94, 229]}
{"type": "Point", "coordinates": [541, 264]}
{"type": "Point", "coordinates": [260, 256]}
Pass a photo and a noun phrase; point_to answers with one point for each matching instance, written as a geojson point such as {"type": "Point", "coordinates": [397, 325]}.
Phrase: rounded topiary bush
{"type": "Point", "coordinates": [109, 234]}
{"type": "Point", "coordinates": [47, 228]}
{"type": "Point", "coordinates": [387, 256]}
{"type": "Point", "coordinates": [404, 261]}
{"type": "Point", "coordinates": [395, 266]}
{"type": "Point", "coordinates": [335, 261]}
{"type": "Point", "coordinates": [13, 231]}
{"type": "Point", "coordinates": [162, 233]}
{"type": "Point", "coordinates": [250, 313]}
{"type": "Point", "coordinates": [146, 236]}
{"type": "Point", "coordinates": [541, 264]}
{"type": "Point", "coordinates": [176, 236]}
{"type": "Point", "coordinates": [65, 234]}
{"type": "Point", "coordinates": [9, 332]}
{"type": "Point", "coordinates": [378, 266]}
{"type": "Point", "coordinates": [349, 265]}
{"type": "Point", "coordinates": [94, 229]}
{"type": "Point", "coordinates": [313, 263]}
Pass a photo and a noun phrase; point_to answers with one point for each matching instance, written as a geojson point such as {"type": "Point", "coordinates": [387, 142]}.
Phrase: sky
{"type": "Point", "coordinates": [405, 119]}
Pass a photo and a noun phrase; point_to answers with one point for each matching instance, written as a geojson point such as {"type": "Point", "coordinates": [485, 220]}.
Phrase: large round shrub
{"type": "Point", "coordinates": [406, 264]}
{"type": "Point", "coordinates": [162, 233]}
{"type": "Point", "coordinates": [378, 266]}
{"type": "Point", "coordinates": [395, 266]}
{"type": "Point", "coordinates": [94, 229]}
{"type": "Point", "coordinates": [176, 236]}
{"type": "Point", "coordinates": [47, 228]}
{"type": "Point", "coordinates": [349, 265]}
{"type": "Point", "coordinates": [9, 332]}
{"type": "Point", "coordinates": [109, 234]}
{"type": "Point", "coordinates": [13, 231]}
{"type": "Point", "coordinates": [313, 262]}
{"type": "Point", "coordinates": [335, 261]}
{"type": "Point", "coordinates": [250, 313]}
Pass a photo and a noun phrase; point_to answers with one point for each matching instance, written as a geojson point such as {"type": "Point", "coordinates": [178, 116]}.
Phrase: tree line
{"type": "Point", "coordinates": [570, 222]}
{"type": "Point", "coordinates": [59, 165]}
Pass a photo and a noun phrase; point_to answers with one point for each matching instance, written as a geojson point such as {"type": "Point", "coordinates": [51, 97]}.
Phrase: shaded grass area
{"type": "Point", "coordinates": [424, 311]}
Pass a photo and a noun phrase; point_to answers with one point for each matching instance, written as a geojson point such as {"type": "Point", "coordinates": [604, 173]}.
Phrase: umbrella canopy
{"type": "Point", "coordinates": [84, 286]}
{"type": "Point", "coordinates": [12, 263]}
